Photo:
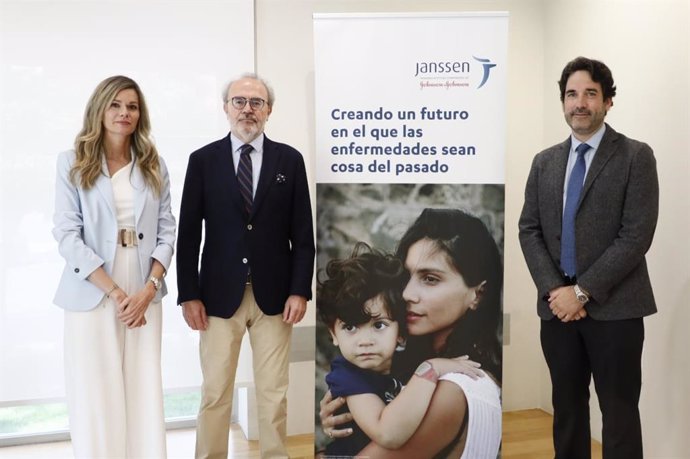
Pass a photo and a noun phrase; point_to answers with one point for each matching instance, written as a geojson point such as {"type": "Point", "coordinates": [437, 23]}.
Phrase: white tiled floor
{"type": "Point", "coordinates": [180, 446]}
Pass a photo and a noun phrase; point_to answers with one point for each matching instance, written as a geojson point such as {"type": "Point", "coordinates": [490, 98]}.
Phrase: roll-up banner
{"type": "Point", "coordinates": [410, 145]}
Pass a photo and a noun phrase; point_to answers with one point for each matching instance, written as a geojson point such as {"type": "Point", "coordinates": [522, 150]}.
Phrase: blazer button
{"type": "Point", "coordinates": [141, 236]}
{"type": "Point", "coordinates": [249, 227]}
{"type": "Point", "coordinates": [76, 270]}
{"type": "Point", "coordinates": [245, 261]}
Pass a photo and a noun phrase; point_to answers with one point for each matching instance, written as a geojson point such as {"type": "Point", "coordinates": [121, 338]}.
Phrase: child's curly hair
{"type": "Point", "coordinates": [350, 282]}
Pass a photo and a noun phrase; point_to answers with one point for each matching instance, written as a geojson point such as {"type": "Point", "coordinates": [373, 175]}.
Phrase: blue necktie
{"type": "Point", "coordinates": [244, 177]}
{"type": "Point", "coordinates": [577, 178]}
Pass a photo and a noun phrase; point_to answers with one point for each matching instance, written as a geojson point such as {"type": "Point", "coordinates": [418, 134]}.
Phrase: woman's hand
{"type": "Point", "coordinates": [131, 310]}
{"type": "Point", "coordinates": [328, 406]}
{"type": "Point", "coordinates": [461, 364]}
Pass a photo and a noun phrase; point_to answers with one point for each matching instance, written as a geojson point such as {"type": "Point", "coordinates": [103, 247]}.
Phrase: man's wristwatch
{"type": "Point", "coordinates": [581, 296]}
{"type": "Point", "coordinates": [156, 282]}
{"type": "Point", "coordinates": [426, 371]}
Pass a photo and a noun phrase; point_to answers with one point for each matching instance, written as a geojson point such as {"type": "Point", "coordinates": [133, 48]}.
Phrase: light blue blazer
{"type": "Point", "coordinates": [86, 231]}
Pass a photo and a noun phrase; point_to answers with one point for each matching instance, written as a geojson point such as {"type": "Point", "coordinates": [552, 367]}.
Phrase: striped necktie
{"type": "Point", "coordinates": [572, 199]}
{"type": "Point", "coordinates": [244, 177]}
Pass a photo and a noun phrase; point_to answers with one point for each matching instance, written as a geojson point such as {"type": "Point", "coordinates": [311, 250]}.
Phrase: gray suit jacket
{"type": "Point", "coordinates": [615, 224]}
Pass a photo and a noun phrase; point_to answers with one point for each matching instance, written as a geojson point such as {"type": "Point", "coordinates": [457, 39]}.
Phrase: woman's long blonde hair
{"type": "Point", "coordinates": [89, 142]}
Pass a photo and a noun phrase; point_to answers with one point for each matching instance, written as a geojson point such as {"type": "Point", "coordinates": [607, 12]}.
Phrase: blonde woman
{"type": "Point", "coordinates": [116, 232]}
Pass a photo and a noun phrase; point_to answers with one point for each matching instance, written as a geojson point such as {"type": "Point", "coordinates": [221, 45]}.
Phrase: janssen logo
{"type": "Point", "coordinates": [451, 74]}
{"type": "Point", "coordinates": [442, 68]}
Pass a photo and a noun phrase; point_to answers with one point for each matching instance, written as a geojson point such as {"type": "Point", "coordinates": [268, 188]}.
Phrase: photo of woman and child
{"type": "Point", "coordinates": [426, 317]}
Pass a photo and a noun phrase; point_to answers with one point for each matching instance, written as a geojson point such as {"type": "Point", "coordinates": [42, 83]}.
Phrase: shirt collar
{"type": "Point", "coordinates": [256, 143]}
{"type": "Point", "coordinates": [593, 141]}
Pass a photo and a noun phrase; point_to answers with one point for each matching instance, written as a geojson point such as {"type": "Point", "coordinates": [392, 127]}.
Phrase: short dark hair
{"type": "Point", "coordinates": [599, 72]}
{"type": "Point", "coordinates": [352, 281]}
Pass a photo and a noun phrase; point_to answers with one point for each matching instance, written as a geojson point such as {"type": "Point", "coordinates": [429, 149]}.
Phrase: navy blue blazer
{"type": "Point", "coordinates": [276, 240]}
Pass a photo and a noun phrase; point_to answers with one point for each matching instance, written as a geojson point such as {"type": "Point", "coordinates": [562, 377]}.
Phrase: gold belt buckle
{"type": "Point", "coordinates": [127, 237]}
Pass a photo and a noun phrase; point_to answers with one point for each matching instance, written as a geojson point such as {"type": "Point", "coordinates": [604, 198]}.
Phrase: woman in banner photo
{"type": "Point", "coordinates": [361, 305]}
{"type": "Point", "coordinates": [453, 299]}
{"type": "Point", "coordinates": [116, 232]}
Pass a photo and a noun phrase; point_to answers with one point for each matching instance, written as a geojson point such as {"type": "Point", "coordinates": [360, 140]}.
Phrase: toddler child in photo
{"type": "Point", "coordinates": [361, 304]}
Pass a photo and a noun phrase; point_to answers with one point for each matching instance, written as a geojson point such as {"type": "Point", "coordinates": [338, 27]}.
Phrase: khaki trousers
{"type": "Point", "coordinates": [219, 348]}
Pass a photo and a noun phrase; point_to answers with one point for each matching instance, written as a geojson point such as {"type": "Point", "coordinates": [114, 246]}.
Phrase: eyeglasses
{"type": "Point", "coordinates": [255, 103]}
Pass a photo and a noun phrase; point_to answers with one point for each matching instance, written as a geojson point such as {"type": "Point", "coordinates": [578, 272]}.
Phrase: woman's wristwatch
{"type": "Point", "coordinates": [156, 282]}
{"type": "Point", "coordinates": [426, 371]}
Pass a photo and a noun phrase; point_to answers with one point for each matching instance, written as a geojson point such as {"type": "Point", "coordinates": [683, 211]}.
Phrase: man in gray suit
{"type": "Point", "coordinates": [591, 206]}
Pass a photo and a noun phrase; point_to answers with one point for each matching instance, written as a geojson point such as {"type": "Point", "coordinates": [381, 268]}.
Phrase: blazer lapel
{"type": "Point", "coordinates": [227, 162]}
{"type": "Point", "coordinates": [139, 185]}
{"type": "Point", "coordinates": [269, 166]}
{"type": "Point", "coordinates": [558, 171]}
{"type": "Point", "coordinates": [606, 150]}
{"type": "Point", "coordinates": [105, 187]}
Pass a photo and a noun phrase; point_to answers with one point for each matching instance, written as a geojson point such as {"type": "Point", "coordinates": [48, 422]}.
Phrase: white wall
{"type": "Point", "coordinates": [52, 56]}
{"type": "Point", "coordinates": [645, 42]}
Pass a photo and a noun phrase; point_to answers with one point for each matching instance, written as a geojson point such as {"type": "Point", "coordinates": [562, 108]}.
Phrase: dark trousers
{"type": "Point", "coordinates": [611, 352]}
